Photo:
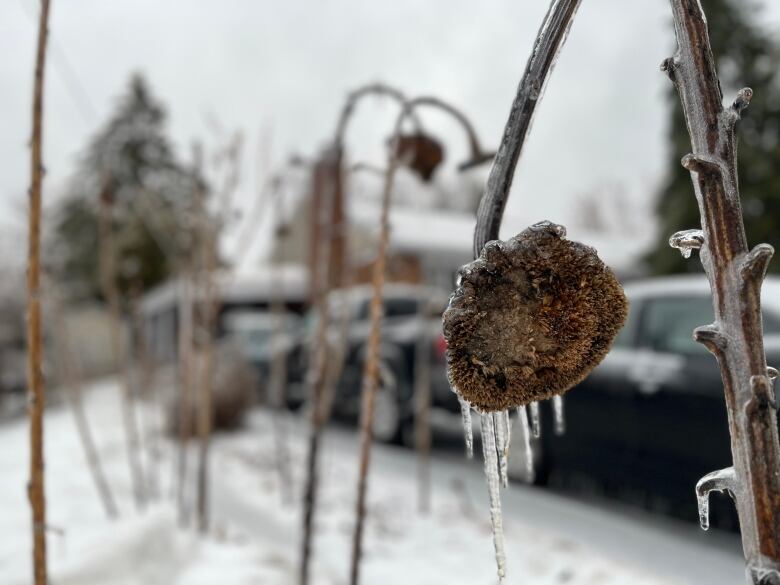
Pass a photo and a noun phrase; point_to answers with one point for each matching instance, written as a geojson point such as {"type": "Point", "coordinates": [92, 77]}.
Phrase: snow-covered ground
{"type": "Point", "coordinates": [255, 530]}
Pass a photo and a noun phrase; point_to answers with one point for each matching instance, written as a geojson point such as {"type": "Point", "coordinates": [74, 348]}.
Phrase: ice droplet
{"type": "Point", "coordinates": [524, 434]}
{"type": "Point", "coordinates": [559, 415]}
{"type": "Point", "coordinates": [468, 432]}
{"type": "Point", "coordinates": [723, 480]}
{"type": "Point", "coordinates": [491, 473]}
{"type": "Point", "coordinates": [704, 510]}
{"type": "Point", "coordinates": [772, 373]}
{"type": "Point", "coordinates": [686, 241]}
{"type": "Point", "coordinates": [536, 425]}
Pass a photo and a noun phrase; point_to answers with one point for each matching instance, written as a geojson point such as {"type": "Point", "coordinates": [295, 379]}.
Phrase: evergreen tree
{"type": "Point", "coordinates": [151, 195]}
{"type": "Point", "coordinates": [746, 55]}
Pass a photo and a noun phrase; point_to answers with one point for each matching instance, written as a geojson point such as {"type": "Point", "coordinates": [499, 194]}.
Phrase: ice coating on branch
{"type": "Point", "coordinates": [468, 431]}
{"type": "Point", "coordinates": [536, 424]}
{"type": "Point", "coordinates": [559, 415]}
{"type": "Point", "coordinates": [494, 491]}
{"type": "Point", "coordinates": [687, 241]}
{"type": "Point", "coordinates": [723, 480]}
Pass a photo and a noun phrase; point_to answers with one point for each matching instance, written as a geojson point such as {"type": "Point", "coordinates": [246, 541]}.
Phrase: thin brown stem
{"type": "Point", "coordinates": [325, 183]}
{"type": "Point", "coordinates": [422, 413]}
{"type": "Point", "coordinates": [185, 391]}
{"type": "Point", "coordinates": [71, 377]}
{"type": "Point", "coordinates": [108, 274]}
{"type": "Point", "coordinates": [735, 273]}
{"type": "Point", "coordinates": [35, 390]}
{"type": "Point", "coordinates": [549, 42]}
{"type": "Point", "coordinates": [208, 243]}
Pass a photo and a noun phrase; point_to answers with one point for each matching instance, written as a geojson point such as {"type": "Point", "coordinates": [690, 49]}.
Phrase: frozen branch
{"type": "Point", "coordinates": [548, 44]}
{"type": "Point", "coordinates": [735, 276]}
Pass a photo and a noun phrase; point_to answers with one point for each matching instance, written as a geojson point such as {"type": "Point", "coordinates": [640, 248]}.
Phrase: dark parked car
{"type": "Point", "coordinates": [412, 315]}
{"type": "Point", "coordinates": [650, 421]}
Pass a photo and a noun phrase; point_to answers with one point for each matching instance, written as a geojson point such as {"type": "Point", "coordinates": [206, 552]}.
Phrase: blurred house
{"type": "Point", "coordinates": [427, 245]}
{"type": "Point", "coordinates": [163, 310]}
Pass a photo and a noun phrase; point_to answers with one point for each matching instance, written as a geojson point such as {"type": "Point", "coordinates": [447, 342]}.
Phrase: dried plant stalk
{"type": "Point", "coordinates": [548, 44]}
{"type": "Point", "coordinates": [735, 274]}
{"type": "Point", "coordinates": [35, 390]}
{"type": "Point", "coordinates": [71, 377]}
{"type": "Point", "coordinates": [210, 309]}
{"type": "Point", "coordinates": [370, 383]}
{"type": "Point", "coordinates": [110, 291]}
{"type": "Point", "coordinates": [325, 181]}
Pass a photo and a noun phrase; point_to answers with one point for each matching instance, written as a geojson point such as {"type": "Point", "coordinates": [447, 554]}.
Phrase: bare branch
{"type": "Point", "coordinates": [548, 44]}
{"type": "Point", "coordinates": [735, 276]}
{"type": "Point", "coordinates": [35, 391]}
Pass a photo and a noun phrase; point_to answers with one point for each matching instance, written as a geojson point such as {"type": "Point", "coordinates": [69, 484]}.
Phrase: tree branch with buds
{"type": "Point", "coordinates": [735, 274]}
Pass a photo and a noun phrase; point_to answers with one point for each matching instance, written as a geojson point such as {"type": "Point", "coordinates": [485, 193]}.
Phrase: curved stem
{"type": "Point", "coordinates": [478, 155]}
{"type": "Point", "coordinates": [372, 89]}
{"type": "Point", "coordinates": [548, 44]}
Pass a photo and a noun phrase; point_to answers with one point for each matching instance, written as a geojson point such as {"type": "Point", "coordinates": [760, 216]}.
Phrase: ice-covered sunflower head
{"type": "Point", "coordinates": [530, 318]}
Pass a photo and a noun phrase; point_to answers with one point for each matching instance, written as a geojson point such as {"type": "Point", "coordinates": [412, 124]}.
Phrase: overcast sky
{"type": "Point", "coordinates": [281, 69]}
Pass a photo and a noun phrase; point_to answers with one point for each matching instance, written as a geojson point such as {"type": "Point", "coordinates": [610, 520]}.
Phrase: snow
{"type": "Point", "coordinates": [255, 535]}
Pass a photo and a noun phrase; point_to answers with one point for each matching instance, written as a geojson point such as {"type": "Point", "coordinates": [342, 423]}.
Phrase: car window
{"type": "Point", "coordinates": [667, 324]}
{"type": "Point", "coordinates": [394, 307]}
{"type": "Point", "coordinates": [627, 335]}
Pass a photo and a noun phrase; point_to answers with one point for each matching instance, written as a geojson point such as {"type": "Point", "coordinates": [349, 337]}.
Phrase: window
{"type": "Point", "coordinates": [394, 307]}
{"type": "Point", "coordinates": [627, 335]}
{"type": "Point", "coordinates": [668, 323]}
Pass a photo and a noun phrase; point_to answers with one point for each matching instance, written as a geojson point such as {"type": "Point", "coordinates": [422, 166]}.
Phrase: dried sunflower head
{"type": "Point", "coordinates": [531, 317]}
{"type": "Point", "coordinates": [421, 153]}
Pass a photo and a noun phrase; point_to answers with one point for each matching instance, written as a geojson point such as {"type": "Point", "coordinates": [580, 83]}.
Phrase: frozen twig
{"type": "Point", "coordinates": [108, 279]}
{"type": "Point", "coordinates": [548, 43]}
{"type": "Point", "coordinates": [735, 274]}
{"type": "Point", "coordinates": [370, 383]}
{"type": "Point", "coordinates": [35, 390]}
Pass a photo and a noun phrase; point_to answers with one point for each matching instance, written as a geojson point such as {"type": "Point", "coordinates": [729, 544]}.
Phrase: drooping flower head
{"type": "Point", "coordinates": [531, 317]}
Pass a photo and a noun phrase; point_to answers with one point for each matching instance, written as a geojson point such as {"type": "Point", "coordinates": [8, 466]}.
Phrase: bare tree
{"type": "Point", "coordinates": [35, 389]}
{"type": "Point", "coordinates": [735, 273]}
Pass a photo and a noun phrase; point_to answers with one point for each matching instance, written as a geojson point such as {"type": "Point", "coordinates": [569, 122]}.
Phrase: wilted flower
{"type": "Point", "coordinates": [420, 152]}
{"type": "Point", "coordinates": [531, 317]}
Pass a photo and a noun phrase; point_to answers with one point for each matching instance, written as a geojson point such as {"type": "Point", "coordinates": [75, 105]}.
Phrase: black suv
{"type": "Point", "coordinates": [650, 420]}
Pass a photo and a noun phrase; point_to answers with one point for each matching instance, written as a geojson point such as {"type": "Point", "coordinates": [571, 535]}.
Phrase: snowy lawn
{"type": "Point", "coordinates": [255, 530]}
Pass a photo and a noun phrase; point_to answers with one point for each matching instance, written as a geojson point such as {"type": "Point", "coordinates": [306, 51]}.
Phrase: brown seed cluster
{"type": "Point", "coordinates": [421, 153]}
{"type": "Point", "coordinates": [531, 317]}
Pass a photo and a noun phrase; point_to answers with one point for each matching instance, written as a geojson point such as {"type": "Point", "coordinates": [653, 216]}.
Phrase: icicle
{"type": "Point", "coordinates": [536, 425]}
{"type": "Point", "coordinates": [720, 481]}
{"type": "Point", "coordinates": [772, 373]}
{"type": "Point", "coordinates": [508, 423]}
{"type": "Point", "coordinates": [491, 472]}
{"type": "Point", "coordinates": [558, 414]}
{"type": "Point", "coordinates": [502, 449]}
{"type": "Point", "coordinates": [525, 444]}
{"type": "Point", "coordinates": [465, 411]}
{"type": "Point", "coordinates": [686, 241]}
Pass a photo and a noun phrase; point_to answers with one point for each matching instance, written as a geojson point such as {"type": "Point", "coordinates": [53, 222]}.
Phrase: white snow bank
{"type": "Point", "coordinates": [255, 536]}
